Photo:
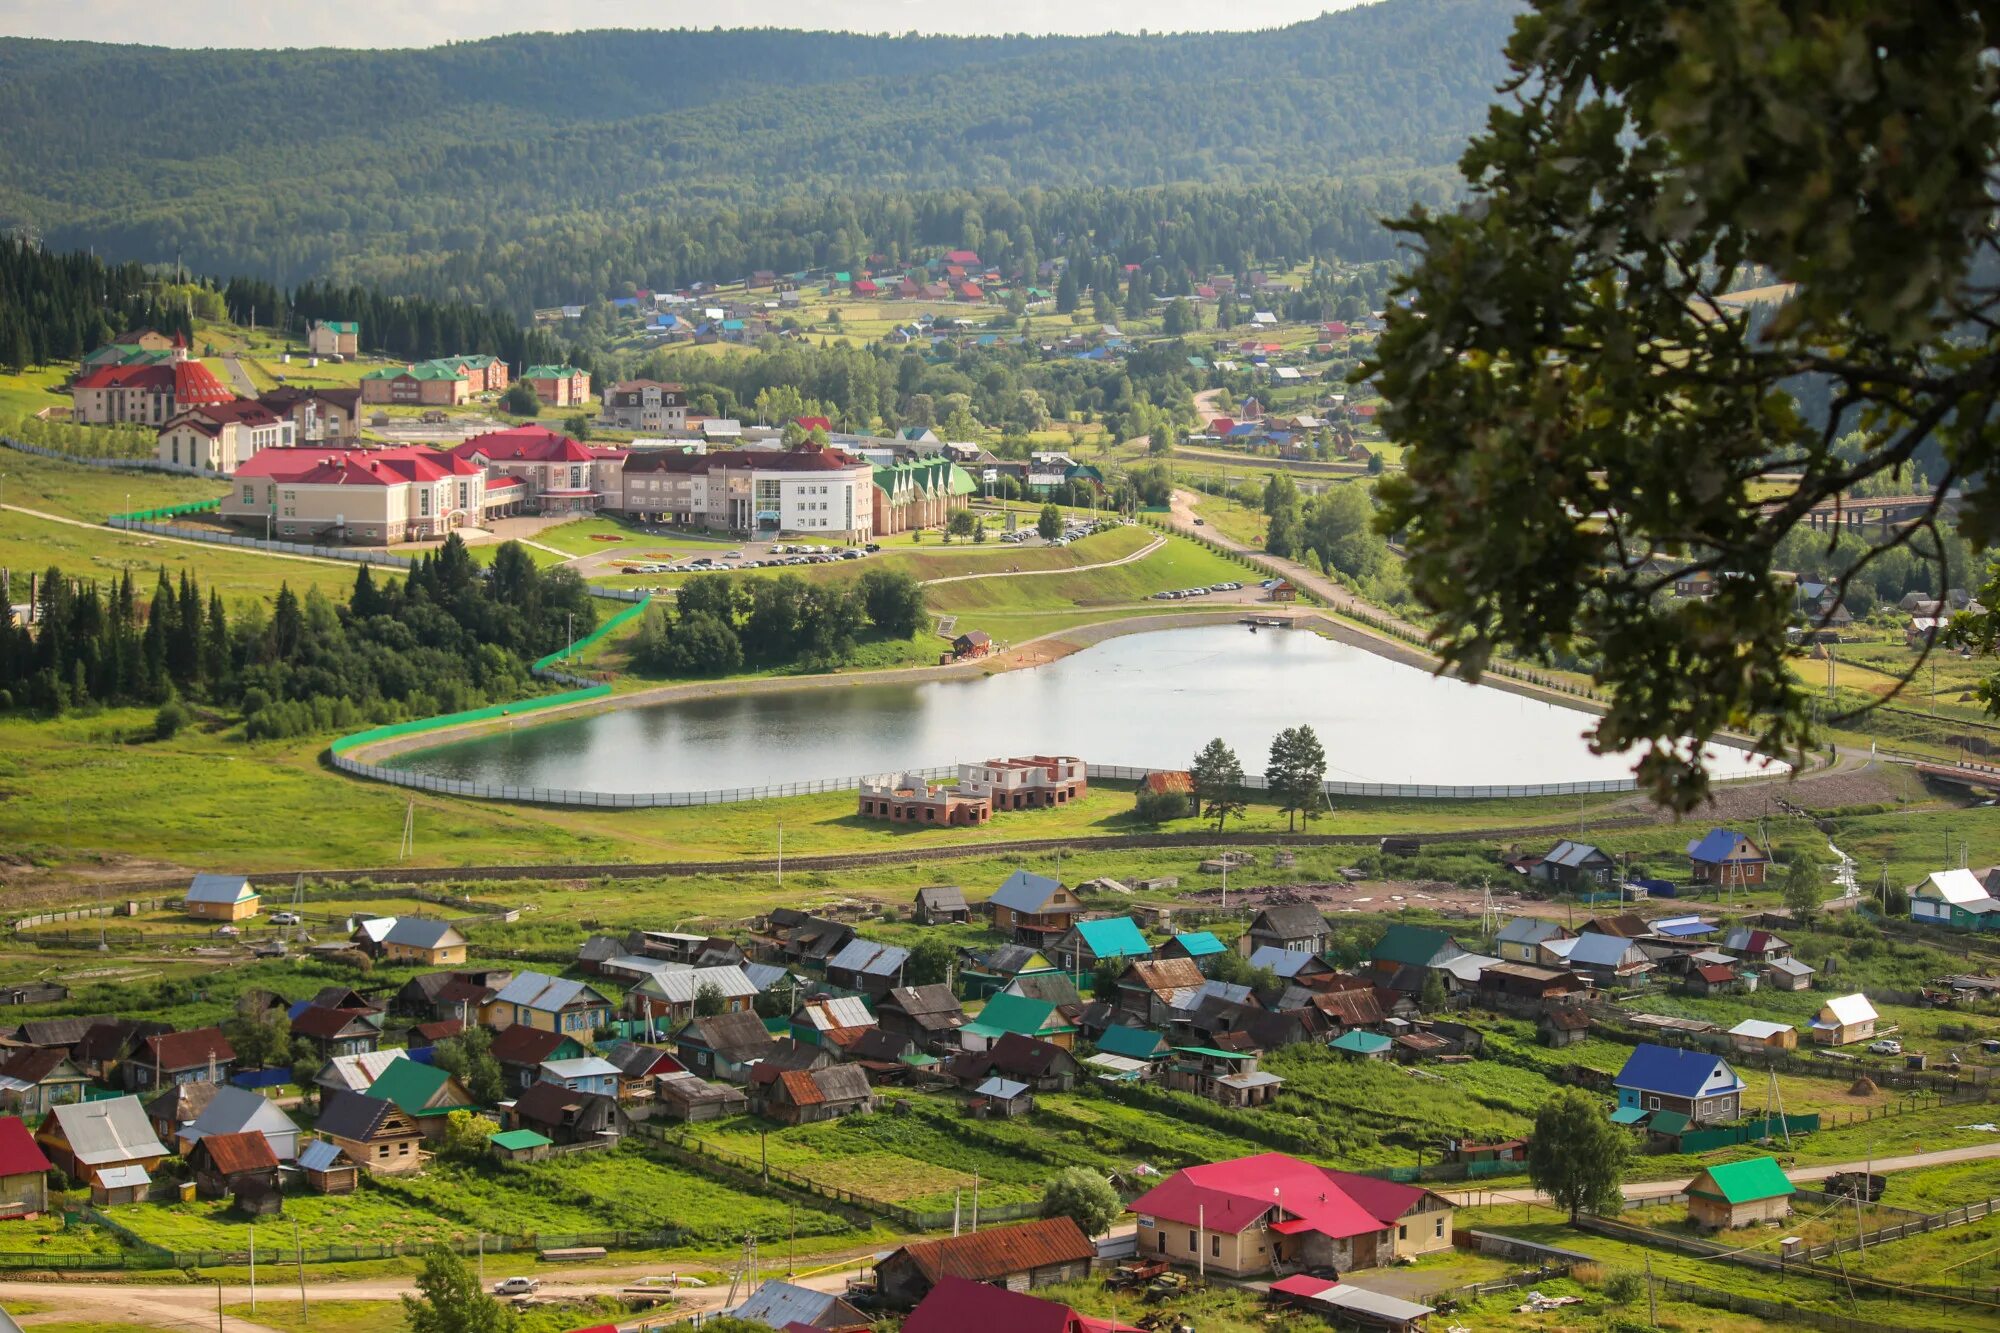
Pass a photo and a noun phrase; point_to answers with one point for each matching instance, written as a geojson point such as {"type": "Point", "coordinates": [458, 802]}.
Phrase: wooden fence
{"type": "Point", "coordinates": [1773, 1310]}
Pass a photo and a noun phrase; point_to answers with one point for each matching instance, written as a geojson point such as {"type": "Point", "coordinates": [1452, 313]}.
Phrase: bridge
{"type": "Point", "coordinates": [1855, 512]}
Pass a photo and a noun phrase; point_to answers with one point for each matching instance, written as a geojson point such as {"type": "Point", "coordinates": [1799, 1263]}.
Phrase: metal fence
{"type": "Point", "coordinates": [360, 555]}
{"type": "Point", "coordinates": [1784, 1314]}
{"type": "Point", "coordinates": [148, 464]}
{"type": "Point", "coordinates": [730, 795]}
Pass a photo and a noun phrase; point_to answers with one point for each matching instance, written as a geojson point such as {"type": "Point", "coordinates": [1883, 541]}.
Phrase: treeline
{"type": "Point", "coordinates": [719, 624]}
{"type": "Point", "coordinates": [523, 157]}
{"type": "Point", "coordinates": [57, 307]}
{"type": "Point", "coordinates": [60, 307]}
{"type": "Point", "coordinates": [447, 637]}
{"type": "Point", "coordinates": [1336, 529]}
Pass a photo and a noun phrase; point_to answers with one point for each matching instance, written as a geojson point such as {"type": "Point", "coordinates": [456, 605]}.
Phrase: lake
{"type": "Point", "coordinates": [1146, 700]}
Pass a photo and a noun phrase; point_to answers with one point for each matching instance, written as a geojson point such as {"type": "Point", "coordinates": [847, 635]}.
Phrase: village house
{"type": "Point", "coordinates": [792, 936]}
{"type": "Point", "coordinates": [1787, 974]}
{"type": "Point", "coordinates": [1520, 939]}
{"type": "Point", "coordinates": [1297, 926]}
{"type": "Point", "coordinates": [831, 1021]}
{"type": "Point", "coordinates": [239, 1165]}
{"type": "Point", "coordinates": [558, 386]}
{"type": "Point", "coordinates": [1358, 1045]}
{"type": "Point", "coordinates": [425, 1093]}
{"type": "Point", "coordinates": [669, 996]}
{"type": "Point", "coordinates": [806, 1096]}
{"type": "Point", "coordinates": [1410, 947]}
{"type": "Point", "coordinates": [24, 1171]}
{"type": "Point", "coordinates": [327, 1169]}
{"type": "Point", "coordinates": [690, 1100]}
{"type": "Point", "coordinates": [939, 905]}
{"type": "Point", "coordinates": [1150, 990]}
{"type": "Point", "coordinates": [199, 1055]}
{"type": "Point", "coordinates": [583, 1073]}
{"type": "Point", "coordinates": [234, 1110]}
{"type": "Point", "coordinates": [424, 940]}
{"type": "Point", "coordinates": [1227, 1078]}
{"type": "Point", "coordinates": [1574, 865]}
{"type": "Point", "coordinates": [521, 1051]}
{"type": "Point", "coordinates": [723, 1046]}
{"type": "Point", "coordinates": [1201, 947]}
{"type": "Point", "coordinates": [336, 1032]}
{"type": "Point", "coordinates": [564, 1116]}
{"type": "Point", "coordinates": [955, 1305]}
{"type": "Point", "coordinates": [221, 898]}
{"type": "Point", "coordinates": [1844, 1020]}
{"type": "Point", "coordinates": [555, 1004]}
{"type": "Point", "coordinates": [1755, 946]}
{"type": "Point", "coordinates": [1017, 1258]}
{"type": "Point", "coordinates": [1696, 1084]}
{"type": "Point", "coordinates": [867, 967]}
{"type": "Point", "coordinates": [1296, 966]}
{"type": "Point", "coordinates": [1727, 859]}
{"type": "Point", "coordinates": [985, 974]}
{"type": "Point", "coordinates": [35, 1079]}
{"type": "Point", "coordinates": [640, 1067]}
{"type": "Point", "coordinates": [1042, 1065]}
{"type": "Point", "coordinates": [1624, 925]}
{"type": "Point", "coordinates": [333, 337]}
{"type": "Point", "coordinates": [1020, 1015]}
{"type": "Point", "coordinates": [1712, 979]}
{"type": "Point", "coordinates": [1032, 909]}
{"type": "Point", "coordinates": [929, 1015]}
{"type": "Point", "coordinates": [645, 406]}
{"type": "Point", "coordinates": [374, 1133]}
{"type": "Point", "coordinates": [1959, 899]}
{"type": "Point", "coordinates": [1607, 961]}
{"type": "Point", "coordinates": [1740, 1194]}
{"type": "Point", "coordinates": [1758, 1036]}
{"type": "Point", "coordinates": [220, 437]}
{"type": "Point", "coordinates": [87, 1139]}
{"type": "Point", "coordinates": [1085, 944]}
{"type": "Point", "coordinates": [787, 1306]}
{"type": "Point", "coordinates": [1244, 1217]}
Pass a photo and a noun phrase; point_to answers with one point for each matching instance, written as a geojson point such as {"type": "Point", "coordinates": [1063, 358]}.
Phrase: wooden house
{"type": "Point", "coordinates": [1016, 1258]}
{"type": "Point", "coordinates": [1740, 1194]}
{"type": "Point", "coordinates": [1299, 926]}
{"type": "Point", "coordinates": [24, 1171]}
{"type": "Point", "coordinates": [941, 904]}
{"type": "Point", "coordinates": [327, 1168]}
{"type": "Point", "coordinates": [86, 1139]}
{"type": "Point", "coordinates": [238, 1165]}
{"type": "Point", "coordinates": [928, 1015]}
{"type": "Point", "coordinates": [376, 1134]}
{"type": "Point", "coordinates": [806, 1096]}
{"type": "Point", "coordinates": [1032, 909]}
{"type": "Point", "coordinates": [563, 1116]}
{"type": "Point", "coordinates": [1844, 1021]}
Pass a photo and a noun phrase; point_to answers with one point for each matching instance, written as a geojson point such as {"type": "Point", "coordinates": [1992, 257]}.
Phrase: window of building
{"type": "Point", "coordinates": [1192, 1244]}
{"type": "Point", "coordinates": [1440, 1229]}
{"type": "Point", "coordinates": [1402, 1233]}
{"type": "Point", "coordinates": [1215, 1246]}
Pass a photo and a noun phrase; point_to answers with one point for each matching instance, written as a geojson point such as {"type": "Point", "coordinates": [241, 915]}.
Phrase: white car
{"type": "Point", "coordinates": [1886, 1046]}
{"type": "Point", "coordinates": [285, 918]}
{"type": "Point", "coordinates": [516, 1286]}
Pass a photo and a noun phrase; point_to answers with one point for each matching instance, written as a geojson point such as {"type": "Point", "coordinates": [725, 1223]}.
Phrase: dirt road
{"type": "Point", "coordinates": [1660, 1189]}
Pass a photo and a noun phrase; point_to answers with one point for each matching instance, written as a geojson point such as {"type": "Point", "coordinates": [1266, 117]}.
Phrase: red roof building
{"type": "Point", "coordinates": [148, 395]}
{"type": "Point", "coordinates": [23, 1167]}
{"type": "Point", "coordinates": [962, 257]}
{"type": "Point", "coordinates": [1247, 1214]}
{"type": "Point", "coordinates": [958, 1306]}
{"type": "Point", "coordinates": [200, 1055]}
{"type": "Point", "coordinates": [1030, 1254]}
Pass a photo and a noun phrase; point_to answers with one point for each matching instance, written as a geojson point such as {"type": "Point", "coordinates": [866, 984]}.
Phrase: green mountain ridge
{"type": "Point", "coordinates": [294, 164]}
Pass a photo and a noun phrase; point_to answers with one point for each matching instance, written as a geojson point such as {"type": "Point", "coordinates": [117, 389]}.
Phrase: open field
{"type": "Point", "coordinates": [92, 494]}
{"type": "Point", "coordinates": [29, 544]}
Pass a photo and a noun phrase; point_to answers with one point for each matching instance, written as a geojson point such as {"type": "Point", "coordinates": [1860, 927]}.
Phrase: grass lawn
{"type": "Point", "coordinates": [92, 494]}
{"type": "Point", "coordinates": [276, 1312]}
{"type": "Point", "coordinates": [33, 544]}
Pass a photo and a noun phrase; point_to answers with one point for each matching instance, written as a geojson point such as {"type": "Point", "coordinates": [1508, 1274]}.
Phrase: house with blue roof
{"type": "Point", "coordinates": [1300, 965]}
{"type": "Point", "coordinates": [1087, 943]}
{"type": "Point", "coordinates": [1724, 857]}
{"type": "Point", "coordinates": [1697, 1084]}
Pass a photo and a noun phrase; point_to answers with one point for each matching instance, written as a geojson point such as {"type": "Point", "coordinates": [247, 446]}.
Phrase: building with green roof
{"type": "Point", "coordinates": [520, 1145]}
{"type": "Point", "coordinates": [1414, 946]}
{"type": "Point", "coordinates": [1087, 943]}
{"type": "Point", "coordinates": [1737, 1194]}
{"type": "Point", "coordinates": [1017, 1013]}
{"type": "Point", "coordinates": [918, 493]}
{"type": "Point", "coordinates": [420, 1090]}
{"type": "Point", "coordinates": [1361, 1045]}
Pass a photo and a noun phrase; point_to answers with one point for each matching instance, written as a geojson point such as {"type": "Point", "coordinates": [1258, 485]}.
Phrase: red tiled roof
{"type": "Point", "coordinates": [127, 377]}
{"type": "Point", "coordinates": [520, 1044]}
{"type": "Point", "coordinates": [1231, 1196]}
{"type": "Point", "coordinates": [982, 1256]}
{"type": "Point", "coordinates": [799, 1083]}
{"type": "Point", "coordinates": [813, 423]}
{"type": "Point", "coordinates": [195, 383]}
{"type": "Point", "coordinates": [186, 1050]}
{"type": "Point", "coordinates": [19, 1154]}
{"type": "Point", "coordinates": [524, 444]}
{"type": "Point", "coordinates": [234, 1153]}
{"type": "Point", "coordinates": [355, 467]}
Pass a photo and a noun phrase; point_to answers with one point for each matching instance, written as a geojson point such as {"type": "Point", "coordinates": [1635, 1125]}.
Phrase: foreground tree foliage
{"type": "Point", "coordinates": [450, 1300]}
{"type": "Point", "coordinates": [1085, 1198]}
{"type": "Point", "coordinates": [1589, 419]}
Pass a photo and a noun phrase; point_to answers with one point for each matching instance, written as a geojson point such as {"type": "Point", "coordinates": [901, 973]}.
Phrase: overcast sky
{"type": "Point", "coordinates": [428, 22]}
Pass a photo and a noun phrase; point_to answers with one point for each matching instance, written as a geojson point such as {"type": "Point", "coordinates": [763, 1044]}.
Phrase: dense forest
{"type": "Point", "coordinates": [449, 636]}
{"type": "Point", "coordinates": [360, 165]}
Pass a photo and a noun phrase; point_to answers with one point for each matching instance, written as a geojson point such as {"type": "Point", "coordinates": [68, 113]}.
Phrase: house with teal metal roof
{"type": "Point", "coordinates": [915, 493]}
{"type": "Point", "coordinates": [1017, 1014]}
{"type": "Point", "coordinates": [1200, 945]}
{"type": "Point", "coordinates": [1360, 1045]}
{"type": "Point", "coordinates": [1133, 1043]}
{"type": "Point", "coordinates": [1087, 943]}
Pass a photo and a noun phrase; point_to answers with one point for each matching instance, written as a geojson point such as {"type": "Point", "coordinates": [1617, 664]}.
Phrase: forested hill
{"type": "Point", "coordinates": [296, 163]}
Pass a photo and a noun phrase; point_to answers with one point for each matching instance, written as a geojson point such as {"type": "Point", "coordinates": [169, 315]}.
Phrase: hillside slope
{"type": "Point", "coordinates": [295, 163]}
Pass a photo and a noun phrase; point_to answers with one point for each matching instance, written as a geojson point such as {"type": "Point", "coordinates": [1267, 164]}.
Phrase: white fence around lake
{"type": "Point", "coordinates": [612, 800]}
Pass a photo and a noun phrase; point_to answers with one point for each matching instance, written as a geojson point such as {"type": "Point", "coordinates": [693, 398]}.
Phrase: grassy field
{"type": "Point", "coordinates": [29, 544]}
{"type": "Point", "coordinates": [92, 494]}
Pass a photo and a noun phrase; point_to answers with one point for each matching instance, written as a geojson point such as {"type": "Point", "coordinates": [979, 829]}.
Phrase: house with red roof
{"type": "Point", "coordinates": [147, 395]}
{"type": "Point", "coordinates": [1017, 1258]}
{"type": "Point", "coordinates": [372, 496]}
{"type": "Point", "coordinates": [1247, 1216]}
{"type": "Point", "coordinates": [561, 476]}
{"type": "Point", "coordinates": [956, 1305]}
{"type": "Point", "coordinates": [199, 1055]}
{"type": "Point", "coordinates": [962, 257]}
{"type": "Point", "coordinates": [864, 287]}
{"type": "Point", "coordinates": [220, 437]}
{"type": "Point", "coordinates": [24, 1185]}
{"type": "Point", "coordinates": [968, 291]}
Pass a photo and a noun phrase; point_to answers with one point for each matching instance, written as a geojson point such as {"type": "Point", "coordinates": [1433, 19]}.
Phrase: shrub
{"type": "Point", "coordinates": [1624, 1288]}
{"type": "Point", "coordinates": [167, 723]}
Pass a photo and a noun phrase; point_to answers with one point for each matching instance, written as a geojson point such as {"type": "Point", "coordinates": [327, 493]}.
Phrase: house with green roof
{"type": "Point", "coordinates": [1199, 946]}
{"type": "Point", "coordinates": [422, 1092]}
{"type": "Point", "coordinates": [1404, 953]}
{"type": "Point", "coordinates": [1085, 944]}
{"type": "Point", "coordinates": [519, 1145]}
{"type": "Point", "coordinates": [918, 493]}
{"type": "Point", "coordinates": [1018, 1014]}
{"type": "Point", "coordinates": [1358, 1045]}
{"type": "Point", "coordinates": [1132, 1043]}
{"type": "Point", "coordinates": [558, 386]}
{"type": "Point", "coordinates": [333, 337]}
{"type": "Point", "coordinates": [1738, 1194]}
{"type": "Point", "coordinates": [424, 384]}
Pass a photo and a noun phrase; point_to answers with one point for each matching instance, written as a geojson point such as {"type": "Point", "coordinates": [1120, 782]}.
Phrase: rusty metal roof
{"type": "Point", "coordinates": [985, 1255]}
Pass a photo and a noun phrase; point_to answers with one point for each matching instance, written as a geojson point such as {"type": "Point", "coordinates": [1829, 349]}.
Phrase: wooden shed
{"type": "Point", "coordinates": [1738, 1194]}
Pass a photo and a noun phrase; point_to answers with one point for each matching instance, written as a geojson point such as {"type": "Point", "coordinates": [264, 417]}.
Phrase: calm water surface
{"type": "Point", "coordinates": [1147, 700]}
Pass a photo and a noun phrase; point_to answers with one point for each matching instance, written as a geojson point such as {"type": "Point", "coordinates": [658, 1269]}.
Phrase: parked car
{"type": "Point", "coordinates": [516, 1286]}
{"type": "Point", "coordinates": [872, 547]}
{"type": "Point", "coordinates": [227, 932]}
{"type": "Point", "coordinates": [1886, 1046]}
{"type": "Point", "coordinates": [1201, 523]}
{"type": "Point", "coordinates": [285, 918]}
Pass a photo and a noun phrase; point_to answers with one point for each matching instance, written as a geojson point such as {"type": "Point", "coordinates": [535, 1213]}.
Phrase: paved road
{"type": "Point", "coordinates": [245, 386]}
{"type": "Point", "coordinates": [1139, 554]}
{"type": "Point", "coordinates": [1660, 1189]}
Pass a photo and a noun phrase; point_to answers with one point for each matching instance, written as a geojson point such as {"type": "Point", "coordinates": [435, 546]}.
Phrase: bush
{"type": "Point", "coordinates": [1157, 807]}
{"type": "Point", "coordinates": [167, 723]}
{"type": "Point", "coordinates": [1624, 1288]}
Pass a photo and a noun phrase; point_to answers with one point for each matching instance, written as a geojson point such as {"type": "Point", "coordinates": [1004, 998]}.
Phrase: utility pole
{"type": "Point", "coordinates": [975, 1202]}
{"type": "Point", "coordinates": [1652, 1301]}
{"type": "Point", "coordinates": [299, 1254]}
{"type": "Point", "coordinates": [253, 1270]}
{"type": "Point", "coordinates": [781, 856]}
